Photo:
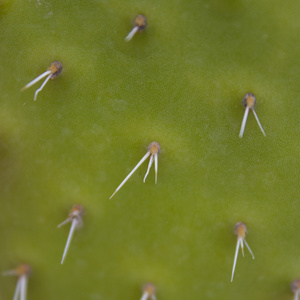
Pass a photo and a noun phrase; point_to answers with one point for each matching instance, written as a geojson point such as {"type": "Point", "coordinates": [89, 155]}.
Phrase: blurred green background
{"type": "Point", "coordinates": [180, 82]}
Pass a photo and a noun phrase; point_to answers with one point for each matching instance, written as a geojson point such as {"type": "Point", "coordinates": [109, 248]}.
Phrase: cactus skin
{"type": "Point", "coordinates": [181, 82]}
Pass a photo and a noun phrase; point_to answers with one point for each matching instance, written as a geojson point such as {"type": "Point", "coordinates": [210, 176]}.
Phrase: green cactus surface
{"type": "Point", "coordinates": [181, 82]}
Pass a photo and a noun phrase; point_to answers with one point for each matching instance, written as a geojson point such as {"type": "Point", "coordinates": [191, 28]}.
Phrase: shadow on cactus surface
{"type": "Point", "coordinates": [179, 82]}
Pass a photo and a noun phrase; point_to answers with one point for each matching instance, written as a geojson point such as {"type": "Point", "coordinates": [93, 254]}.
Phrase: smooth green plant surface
{"type": "Point", "coordinates": [180, 82]}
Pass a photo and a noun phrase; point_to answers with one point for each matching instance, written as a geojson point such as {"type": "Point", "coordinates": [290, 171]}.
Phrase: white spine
{"type": "Point", "coordinates": [9, 273]}
{"type": "Point", "coordinates": [42, 86]}
{"type": "Point", "coordinates": [244, 122]}
{"type": "Point", "coordinates": [149, 166]}
{"type": "Point", "coordinates": [128, 176]}
{"type": "Point", "coordinates": [256, 117]}
{"type": "Point", "coordinates": [72, 229]}
{"type": "Point", "coordinates": [249, 249]}
{"type": "Point", "coordinates": [235, 257]}
{"type": "Point", "coordinates": [17, 290]}
{"type": "Point", "coordinates": [145, 296]}
{"type": "Point", "coordinates": [242, 246]}
{"type": "Point", "coordinates": [31, 83]}
{"type": "Point", "coordinates": [131, 33]}
{"type": "Point", "coordinates": [156, 166]}
{"type": "Point", "coordinates": [64, 222]}
{"type": "Point", "coordinates": [23, 293]}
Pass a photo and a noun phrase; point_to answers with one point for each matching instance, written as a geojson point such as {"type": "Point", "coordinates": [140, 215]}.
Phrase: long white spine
{"type": "Point", "coordinates": [235, 257]}
{"type": "Point", "coordinates": [17, 290]}
{"type": "Point", "coordinates": [131, 33]}
{"type": "Point", "coordinates": [244, 122]}
{"type": "Point", "coordinates": [31, 83]}
{"type": "Point", "coordinates": [128, 176]}
{"type": "Point", "coordinates": [23, 292]}
{"type": "Point", "coordinates": [72, 229]}
{"type": "Point", "coordinates": [145, 296]}
{"type": "Point", "coordinates": [256, 117]}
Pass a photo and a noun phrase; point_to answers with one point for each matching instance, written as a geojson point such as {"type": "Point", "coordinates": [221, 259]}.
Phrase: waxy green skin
{"type": "Point", "coordinates": [180, 82]}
